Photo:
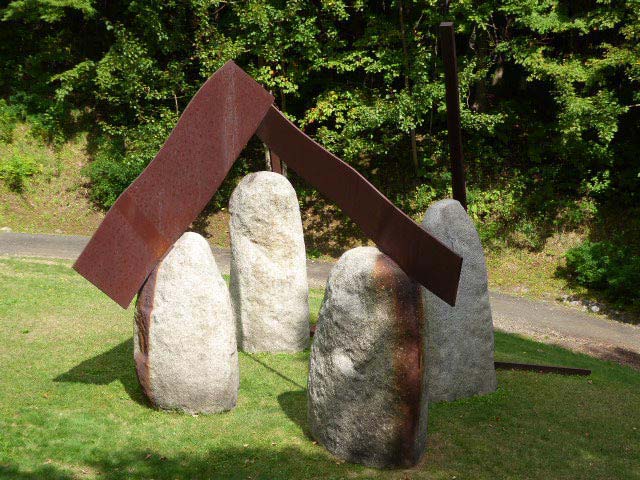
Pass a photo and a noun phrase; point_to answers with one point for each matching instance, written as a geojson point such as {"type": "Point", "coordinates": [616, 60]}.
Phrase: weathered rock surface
{"type": "Point", "coordinates": [268, 286]}
{"type": "Point", "coordinates": [185, 340]}
{"type": "Point", "coordinates": [460, 338]}
{"type": "Point", "coordinates": [367, 399]}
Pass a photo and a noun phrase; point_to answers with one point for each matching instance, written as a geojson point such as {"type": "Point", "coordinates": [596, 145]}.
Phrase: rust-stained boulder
{"type": "Point", "coordinates": [184, 343]}
{"type": "Point", "coordinates": [460, 338]}
{"type": "Point", "coordinates": [367, 400]}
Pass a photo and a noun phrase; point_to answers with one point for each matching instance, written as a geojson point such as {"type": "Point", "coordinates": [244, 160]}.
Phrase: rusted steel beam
{"type": "Point", "coordinates": [454, 131]}
{"type": "Point", "coordinates": [162, 202]}
{"type": "Point", "coordinates": [542, 368]}
{"type": "Point", "coordinates": [420, 255]}
{"type": "Point", "coordinates": [166, 198]}
{"type": "Point", "coordinates": [276, 164]}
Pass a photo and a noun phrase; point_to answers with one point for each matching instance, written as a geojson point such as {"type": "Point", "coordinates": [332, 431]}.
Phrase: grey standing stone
{"type": "Point", "coordinates": [185, 340]}
{"type": "Point", "coordinates": [268, 286]}
{"type": "Point", "coordinates": [460, 338]}
{"type": "Point", "coordinates": [367, 399]}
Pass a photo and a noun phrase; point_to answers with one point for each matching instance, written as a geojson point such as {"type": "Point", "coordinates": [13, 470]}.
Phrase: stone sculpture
{"type": "Point", "coordinates": [268, 286]}
{"type": "Point", "coordinates": [367, 399]}
{"type": "Point", "coordinates": [185, 340]}
{"type": "Point", "coordinates": [459, 339]}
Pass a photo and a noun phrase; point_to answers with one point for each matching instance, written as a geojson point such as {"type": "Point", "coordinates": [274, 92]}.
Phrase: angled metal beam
{"type": "Point", "coordinates": [276, 163]}
{"type": "Point", "coordinates": [167, 197]}
{"type": "Point", "coordinates": [420, 255]}
{"type": "Point", "coordinates": [161, 203]}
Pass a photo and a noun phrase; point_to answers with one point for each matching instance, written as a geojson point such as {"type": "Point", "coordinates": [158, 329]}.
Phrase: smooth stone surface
{"type": "Point", "coordinates": [460, 338]}
{"type": "Point", "coordinates": [185, 340]}
{"type": "Point", "coordinates": [268, 285]}
{"type": "Point", "coordinates": [367, 399]}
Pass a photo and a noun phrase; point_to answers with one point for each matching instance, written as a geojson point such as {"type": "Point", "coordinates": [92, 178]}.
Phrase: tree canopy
{"type": "Point", "coordinates": [550, 93]}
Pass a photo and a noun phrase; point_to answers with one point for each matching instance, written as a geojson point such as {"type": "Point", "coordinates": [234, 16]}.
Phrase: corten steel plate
{"type": "Point", "coordinates": [419, 254]}
{"type": "Point", "coordinates": [454, 130]}
{"type": "Point", "coordinates": [162, 202]}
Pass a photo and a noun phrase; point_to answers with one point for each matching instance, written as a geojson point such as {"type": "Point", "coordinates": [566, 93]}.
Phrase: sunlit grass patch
{"type": "Point", "coordinates": [70, 406]}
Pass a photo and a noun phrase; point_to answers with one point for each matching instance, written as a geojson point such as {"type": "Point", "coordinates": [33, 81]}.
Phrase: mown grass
{"type": "Point", "coordinates": [70, 406]}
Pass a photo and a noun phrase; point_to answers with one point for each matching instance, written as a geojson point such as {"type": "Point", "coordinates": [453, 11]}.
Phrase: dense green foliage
{"type": "Point", "coordinates": [608, 267]}
{"type": "Point", "coordinates": [8, 122]}
{"type": "Point", "coordinates": [15, 169]}
{"type": "Point", "coordinates": [16, 164]}
{"type": "Point", "coordinates": [550, 91]}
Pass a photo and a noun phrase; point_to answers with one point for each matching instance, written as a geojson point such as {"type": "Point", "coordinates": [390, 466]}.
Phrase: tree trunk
{"type": "Point", "coordinates": [407, 85]}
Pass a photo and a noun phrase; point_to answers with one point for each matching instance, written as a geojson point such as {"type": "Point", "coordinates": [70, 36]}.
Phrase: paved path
{"type": "Point", "coordinates": [551, 322]}
{"type": "Point", "coordinates": [545, 321]}
{"type": "Point", "coordinates": [68, 247]}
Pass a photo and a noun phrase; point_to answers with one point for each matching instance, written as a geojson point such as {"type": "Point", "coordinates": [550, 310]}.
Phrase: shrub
{"type": "Point", "coordinates": [608, 267]}
{"type": "Point", "coordinates": [8, 122]}
{"type": "Point", "coordinates": [120, 157]}
{"type": "Point", "coordinates": [109, 173]}
{"type": "Point", "coordinates": [15, 170]}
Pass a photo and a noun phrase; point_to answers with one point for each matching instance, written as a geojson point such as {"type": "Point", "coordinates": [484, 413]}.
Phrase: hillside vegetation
{"type": "Point", "coordinates": [550, 103]}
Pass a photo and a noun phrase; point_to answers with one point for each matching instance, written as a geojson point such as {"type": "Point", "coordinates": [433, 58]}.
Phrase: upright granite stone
{"type": "Point", "coordinates": [460, 338]}
{"type": "Point", "coordinates": [185, 340]}
{"type": "Point", "coordinates": [268, 285]}
{"type": "Point", "coordinates": [367, 398]}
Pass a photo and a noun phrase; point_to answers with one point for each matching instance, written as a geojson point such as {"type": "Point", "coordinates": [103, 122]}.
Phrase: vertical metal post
{"type": "Point", "coordinates": [276, 164]}
{"type": "Point", "coordinates": [448, 41]}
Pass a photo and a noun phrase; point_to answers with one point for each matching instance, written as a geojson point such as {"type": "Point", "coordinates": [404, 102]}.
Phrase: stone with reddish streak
{"type": "Point", "coordinates": [184, 342]}
{"type": "Point", "coordinates": [367, 401]}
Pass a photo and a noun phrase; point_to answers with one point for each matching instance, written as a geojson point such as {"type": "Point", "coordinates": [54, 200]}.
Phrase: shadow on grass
{"type": "Point", "coordinates": [620, 355]}
{"type": "Point", "coordinates": [227, 463]}
{"type": "Point", "coordinates": [48, 472]}
{"type": "Point", "coordinates": [114, 364]}
{"type": "Point", "coordinates": [273, 370]}
{"type": "Point", "coordinates": [294, 405]}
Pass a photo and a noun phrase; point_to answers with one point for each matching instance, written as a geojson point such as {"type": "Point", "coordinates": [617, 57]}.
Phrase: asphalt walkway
{"type": "Point", "coordinates": [549, 322]}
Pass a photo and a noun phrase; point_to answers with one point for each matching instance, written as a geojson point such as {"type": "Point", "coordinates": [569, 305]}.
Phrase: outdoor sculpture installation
{"type": "Point", "coordinates": [460, 338]}
{"type": "Point", "coordinates": [367, 399]}
{"type": "Point", "coordinates": [268, 284]}
{"type": "Point", "coordinates": [161, 203]}
{"type": "Point", "coordinates": [185, 339]}
{"type": "Point", "coordinates": [155, 210]}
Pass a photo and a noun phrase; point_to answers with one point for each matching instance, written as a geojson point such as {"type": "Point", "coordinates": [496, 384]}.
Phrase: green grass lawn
{"type": "Point", "coordinates": [70, 406]}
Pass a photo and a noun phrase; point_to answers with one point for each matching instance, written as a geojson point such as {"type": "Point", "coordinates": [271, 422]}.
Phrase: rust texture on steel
{"type": "Point", "coordinates": [166, 198]}
{"type": "Point", "coordinates": [420, 255]}
{"type": "Point", "coordinates": [276, 163]}
{"type": "Point", "coordinates": [448, 41]}
{"type": "Point", "coordinates": [542, 368]}
{"type": "Point", "coordinates": [162, 202]}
